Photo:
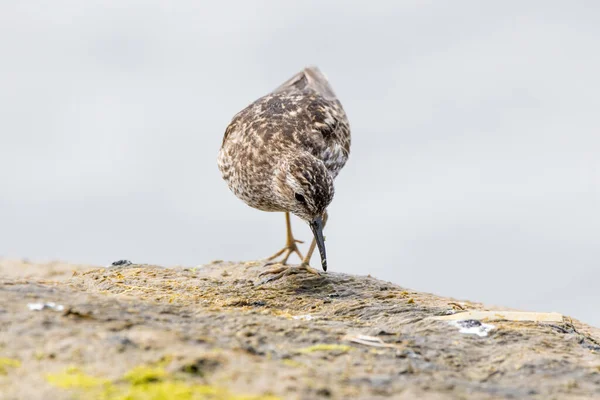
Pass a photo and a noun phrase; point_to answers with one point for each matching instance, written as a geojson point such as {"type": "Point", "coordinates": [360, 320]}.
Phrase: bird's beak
{"type": "Point", "coordinates": [316, 226]}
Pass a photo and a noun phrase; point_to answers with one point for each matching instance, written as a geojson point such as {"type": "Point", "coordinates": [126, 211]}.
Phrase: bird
{"type": "Point", "coordinates": [283, 152]}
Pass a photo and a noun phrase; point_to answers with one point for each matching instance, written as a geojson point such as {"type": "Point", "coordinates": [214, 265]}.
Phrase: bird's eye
{"type": "Point", "coordinates": [300, 198]}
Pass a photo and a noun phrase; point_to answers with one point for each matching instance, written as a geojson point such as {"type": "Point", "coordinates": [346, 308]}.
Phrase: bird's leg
{"type": "Point", "coordinates": [282, 271]}
{"type": "Point", "coordinates": [290, 245]}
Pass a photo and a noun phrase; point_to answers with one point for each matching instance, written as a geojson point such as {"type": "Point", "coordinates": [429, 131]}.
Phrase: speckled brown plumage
{"type": "Point", "coordinates": [282, 152]}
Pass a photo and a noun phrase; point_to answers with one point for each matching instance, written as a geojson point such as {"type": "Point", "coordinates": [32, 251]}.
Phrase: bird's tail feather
{"type": "Point", "coordinates": [310, 77]}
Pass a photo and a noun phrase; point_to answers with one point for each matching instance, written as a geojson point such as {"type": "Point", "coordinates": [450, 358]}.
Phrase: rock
{"type": "Point", "coordinates": [331, 336]}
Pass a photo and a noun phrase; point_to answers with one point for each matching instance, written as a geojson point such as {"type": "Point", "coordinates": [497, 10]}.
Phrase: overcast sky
{"type": "Point", "coordinates": [474, 169]}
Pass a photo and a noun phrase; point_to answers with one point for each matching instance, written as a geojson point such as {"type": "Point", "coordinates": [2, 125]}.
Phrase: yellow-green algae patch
{"type": "Point", "coordinates": [73, 378]}
{"type": "Point", "coordinates": [325, 347]}
{"type": "Point", "coordinates": [145, 374]}
{"type": "Point", "coordinates": [292, 363]}
{"type": "Point", "coordinates": [143, 382]}
{"type": "Point", "coordinates": [7, 363]}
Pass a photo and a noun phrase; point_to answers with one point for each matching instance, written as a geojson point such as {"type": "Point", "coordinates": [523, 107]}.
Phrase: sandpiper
{"type": "Point", "coordinates": [283, 152]}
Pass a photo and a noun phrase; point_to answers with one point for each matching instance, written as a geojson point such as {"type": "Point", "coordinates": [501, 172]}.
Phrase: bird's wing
{"type": "Point", "coordinates": [324, 116]}
{"type": "Point", "coordinates": [322, 126]}
{"type": "Point", "coordinates": [309, 77]}
{"type": "Point", "coordinates": [326, 129]}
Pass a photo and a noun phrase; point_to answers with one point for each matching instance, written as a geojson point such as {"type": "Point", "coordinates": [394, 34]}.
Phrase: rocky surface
{"type": "Point", "coordinates": [147, 332]}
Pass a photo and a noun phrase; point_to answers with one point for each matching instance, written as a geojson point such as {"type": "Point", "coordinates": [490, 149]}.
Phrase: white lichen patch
{"type": "Point", "coordinates": [306, 317]}
{"type": "Point", "coordinates": [472, 327]}
{"type": "Point", "coordinates": [45, 306]}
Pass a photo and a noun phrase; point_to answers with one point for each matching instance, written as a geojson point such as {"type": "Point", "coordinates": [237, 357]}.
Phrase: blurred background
{"type": "Point", "coordinates": [474, 170]}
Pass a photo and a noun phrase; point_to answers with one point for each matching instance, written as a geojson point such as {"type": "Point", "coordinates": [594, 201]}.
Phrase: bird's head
{"type": "Point", "coordinates": [304, 187]}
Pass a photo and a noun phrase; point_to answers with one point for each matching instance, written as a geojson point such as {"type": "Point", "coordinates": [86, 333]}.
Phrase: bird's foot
{"type": "Point", "coordinates": [288, 250]}
{"type": "Point", "coordinates": [285, 270]}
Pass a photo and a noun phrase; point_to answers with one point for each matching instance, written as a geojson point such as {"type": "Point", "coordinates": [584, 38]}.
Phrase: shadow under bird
{"type": "Point", "coordinates": [283, 152]}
